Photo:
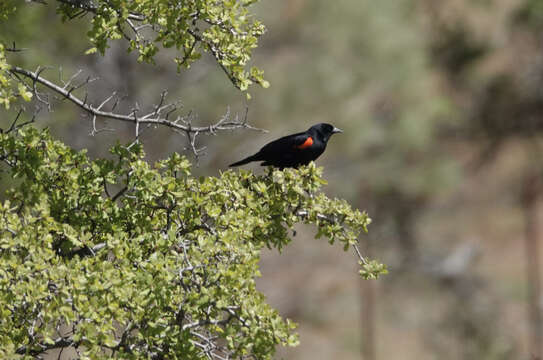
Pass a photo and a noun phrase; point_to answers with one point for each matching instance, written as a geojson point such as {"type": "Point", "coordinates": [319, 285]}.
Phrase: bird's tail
{"type": "Point", "coordinates": [245, 161]}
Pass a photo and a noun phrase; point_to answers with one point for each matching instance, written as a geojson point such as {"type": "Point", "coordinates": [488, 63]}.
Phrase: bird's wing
{"type": "Point", "coordinates": [287, 143]}
{"type": "Point", "coordinates": [303, 142]}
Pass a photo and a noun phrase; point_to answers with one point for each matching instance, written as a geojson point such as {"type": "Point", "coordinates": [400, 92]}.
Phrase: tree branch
{"type": "Point", "coordinates": [305, 213]}
{"type": "Point", "coordinates": [87, 6]}
{"type": "Point", "coordinates": [59, 343]}
{"type": "Point", "coordinates": [159, 116]}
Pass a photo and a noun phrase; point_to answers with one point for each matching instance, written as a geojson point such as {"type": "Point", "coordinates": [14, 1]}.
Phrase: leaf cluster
{"type": "Point", "coordinates": [114, 257]}
{"type": "Point", "coordinates": [6, 7]}
{"type": "Point", "coordinates": [10, 90]}
{"type": "Point", "coordinates": [225, 29]}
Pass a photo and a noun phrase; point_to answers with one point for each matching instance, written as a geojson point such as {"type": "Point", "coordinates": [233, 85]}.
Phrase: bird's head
{"type": "Point", "coordinates": [325, 130]}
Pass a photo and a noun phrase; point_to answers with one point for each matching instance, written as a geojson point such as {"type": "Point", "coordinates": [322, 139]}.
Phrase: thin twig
{"type": "Point", "coordinates": [15, 121]}
{"type": "Point", "coordinates": [363, 259]}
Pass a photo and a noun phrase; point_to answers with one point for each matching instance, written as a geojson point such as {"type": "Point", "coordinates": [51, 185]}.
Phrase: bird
{"type": "Point", "coordinates": [294, 150]}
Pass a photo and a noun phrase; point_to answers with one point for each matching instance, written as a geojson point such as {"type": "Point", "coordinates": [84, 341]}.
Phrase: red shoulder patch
{"type": "Point", "coordinates": [307, 143]}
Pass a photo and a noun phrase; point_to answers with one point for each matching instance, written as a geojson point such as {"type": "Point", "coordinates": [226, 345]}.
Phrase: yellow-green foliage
{"type": "Point", "coordinates": [119, 259]}
{"type": "Point", "coordinates": [132, 260]}
{"type": "Point", "coordinates": [6, 92]}
{"type": "Point", "coordinates": [7, 95]}
{"type": "Point", "coordinates": [6, 7]}
{"type": "Point", "coordinates": [225, 29]}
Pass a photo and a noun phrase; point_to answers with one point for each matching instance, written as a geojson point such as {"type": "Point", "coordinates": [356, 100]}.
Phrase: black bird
{"type": "Point", "coordinates": [294, 150]}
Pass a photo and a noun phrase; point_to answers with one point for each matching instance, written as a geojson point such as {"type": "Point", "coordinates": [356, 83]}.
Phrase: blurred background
{"type": "Point", "coordinates": [442, 107]}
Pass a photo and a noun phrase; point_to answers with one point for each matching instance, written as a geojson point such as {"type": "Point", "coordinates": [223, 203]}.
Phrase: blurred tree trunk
{"type": "Point", "coordinates": [530, 195]}
{"type": "Point", "coordinates": [367, 296]}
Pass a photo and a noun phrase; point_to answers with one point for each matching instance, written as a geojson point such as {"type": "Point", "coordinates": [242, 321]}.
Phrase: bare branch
{"type": "Point", "coordinates": [15, 121]}
{"type": "Point", "coordinates": [206, 322]}
{"type": "Point", "coordinates": [363, 259]}
{"type": "Point", "coordinates": [159, 116]}
{"type": "Point", "coordinates": [14, 48]}
{"type": "Point", "coordinates": [71, 80]}
{"type": "Point", "coordinates": [59, 343]}
{"type": "Point", "coordinates": [88, 6]}
{"type": "Point", "coordinates": [38, 1]}
{"type": "Point", "coordinates": [217, 55]}
{"type": "Point", "coordinates": [15, 127]}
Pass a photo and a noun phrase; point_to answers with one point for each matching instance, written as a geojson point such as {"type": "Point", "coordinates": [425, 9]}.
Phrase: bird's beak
{"type": "Point", "coordinates": [336, 130]}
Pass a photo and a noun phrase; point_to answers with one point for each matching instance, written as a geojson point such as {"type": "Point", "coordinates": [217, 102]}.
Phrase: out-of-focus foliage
{"type": "Point", "coordinates": [137, 261]}
{"type": "Point", "coordinates": [409, 81]}
{"type": "Point", "coordinates": [375, 80]}
{"type": "Point", "coordinates": [530, 14]}
{"type": "Point", "coordinates": [6, 7]}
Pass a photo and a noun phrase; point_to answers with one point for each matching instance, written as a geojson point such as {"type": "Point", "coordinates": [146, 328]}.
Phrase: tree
{"type": "Point", "coordinates": [115, 257]}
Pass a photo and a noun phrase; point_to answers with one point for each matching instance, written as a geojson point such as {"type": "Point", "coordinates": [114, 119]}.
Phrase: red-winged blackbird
{"type": "Point", "coordinates": [294, 150]}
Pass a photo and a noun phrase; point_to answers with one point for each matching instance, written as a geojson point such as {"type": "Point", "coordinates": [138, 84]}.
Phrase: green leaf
{"type": "Point", "coordinates": [91, 50]}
